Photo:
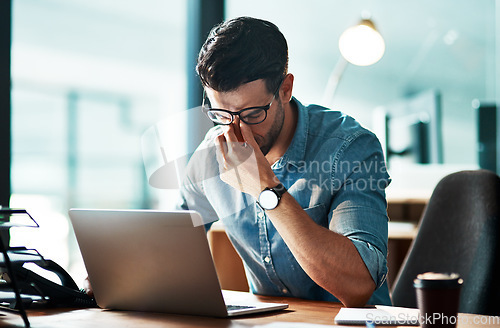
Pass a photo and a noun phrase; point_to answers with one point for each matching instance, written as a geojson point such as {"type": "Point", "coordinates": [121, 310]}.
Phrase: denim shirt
{"type": "Point", "coordinates": [335, 170]}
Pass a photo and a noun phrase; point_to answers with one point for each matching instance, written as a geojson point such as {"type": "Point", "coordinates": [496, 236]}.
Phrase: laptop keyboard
{"type": "Point", "coordinates": [238, 307]}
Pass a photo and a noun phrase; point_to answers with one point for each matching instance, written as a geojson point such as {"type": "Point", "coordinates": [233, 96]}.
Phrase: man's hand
{"type": "Point", "coordinates": [242, 165]}
{"type": "Point", "coordinates": [87, 287]}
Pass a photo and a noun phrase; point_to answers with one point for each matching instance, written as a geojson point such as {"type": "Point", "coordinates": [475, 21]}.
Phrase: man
{"type": "Point", "coordinates": [300, 189]}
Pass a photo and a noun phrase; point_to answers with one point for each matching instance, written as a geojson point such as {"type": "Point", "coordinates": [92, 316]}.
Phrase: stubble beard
{"type": "Point", "coordinates": [271, 136]}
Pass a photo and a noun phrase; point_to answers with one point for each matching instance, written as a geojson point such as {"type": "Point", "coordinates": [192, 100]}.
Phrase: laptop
{"type": "Point", "coordinates": [147, 260]}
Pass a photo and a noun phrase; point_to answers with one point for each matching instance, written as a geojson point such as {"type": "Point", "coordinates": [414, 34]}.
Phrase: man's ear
{"type": "Point", "coordinates": [286, 89]}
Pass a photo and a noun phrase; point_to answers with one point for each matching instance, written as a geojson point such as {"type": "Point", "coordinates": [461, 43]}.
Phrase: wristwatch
{"type": "Point", "coordinates": [269, 198]}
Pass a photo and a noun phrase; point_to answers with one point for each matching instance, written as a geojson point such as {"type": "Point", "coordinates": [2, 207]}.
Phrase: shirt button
{"type": "Point", "coordinates": [285, 291]}
{"type": "Point", "coordinates": [267, 259]}
{"type": "Point", "coordinates": [260, 215]}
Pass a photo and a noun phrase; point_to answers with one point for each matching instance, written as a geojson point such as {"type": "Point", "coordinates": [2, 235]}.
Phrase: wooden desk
{"type": "Point", "coordinates": [298, 311]}
{"type": "Point", "coordinates": [313, 312]}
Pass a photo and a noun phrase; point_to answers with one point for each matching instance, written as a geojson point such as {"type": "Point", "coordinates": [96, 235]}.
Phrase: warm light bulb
{"type": "Point", "coordinates": [362, 45]}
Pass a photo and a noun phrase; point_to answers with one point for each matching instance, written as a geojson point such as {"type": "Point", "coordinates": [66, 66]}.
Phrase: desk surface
{"type": "Point", "coordinates": [312, 312]}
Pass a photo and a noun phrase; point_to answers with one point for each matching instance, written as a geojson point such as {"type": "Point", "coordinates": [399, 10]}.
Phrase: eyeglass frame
{"type": "Point", "coordinates": [238, 113]}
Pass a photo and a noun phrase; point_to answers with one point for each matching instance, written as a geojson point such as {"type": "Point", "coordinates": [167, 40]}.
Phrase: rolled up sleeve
{"type": "Point", "coordinates": [369, 236]}
{"type": "Point", "coordinates": [359, 208]}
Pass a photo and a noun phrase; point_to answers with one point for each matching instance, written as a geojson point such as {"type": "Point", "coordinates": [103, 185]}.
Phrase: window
{"type": "Point", "coordinates": [89, 77]}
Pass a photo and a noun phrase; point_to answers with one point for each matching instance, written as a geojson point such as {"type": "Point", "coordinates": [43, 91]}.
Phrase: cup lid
{"type": "Point", "coordinates": [438, 280]}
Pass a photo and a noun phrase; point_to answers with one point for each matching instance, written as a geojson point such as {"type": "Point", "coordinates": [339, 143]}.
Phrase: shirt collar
{"type": "Point", "coordinates": [296, 151]}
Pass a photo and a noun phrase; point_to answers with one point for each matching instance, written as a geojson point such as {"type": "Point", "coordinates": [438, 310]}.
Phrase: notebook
{"type": "Point", "coordinates": [146, 260]}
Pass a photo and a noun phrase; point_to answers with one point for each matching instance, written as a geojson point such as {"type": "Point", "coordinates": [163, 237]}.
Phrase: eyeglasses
{"type": "Point", "coordinates": [250, 115]}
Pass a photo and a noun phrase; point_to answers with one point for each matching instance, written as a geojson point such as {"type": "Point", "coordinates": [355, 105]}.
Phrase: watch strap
{"type": "Point", "coordinates": [279, 190]}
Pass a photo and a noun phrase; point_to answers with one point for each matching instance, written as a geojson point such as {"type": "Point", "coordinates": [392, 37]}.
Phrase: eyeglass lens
{"type": "Point", "coordinates": [249, 116]}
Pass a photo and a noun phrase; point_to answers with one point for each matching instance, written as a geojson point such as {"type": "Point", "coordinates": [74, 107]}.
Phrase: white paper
{"type": "Point", "coordinates": [380, 315]}
{"type": "Point", "coordinates": [295, 325]}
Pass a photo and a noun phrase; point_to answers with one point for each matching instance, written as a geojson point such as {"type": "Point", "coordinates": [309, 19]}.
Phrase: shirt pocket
{"type": "Point", "coordinates": [318, 214]}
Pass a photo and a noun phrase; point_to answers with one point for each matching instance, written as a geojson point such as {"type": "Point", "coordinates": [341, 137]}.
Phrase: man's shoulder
{"type": "Point", "coordinates": [329, 123]}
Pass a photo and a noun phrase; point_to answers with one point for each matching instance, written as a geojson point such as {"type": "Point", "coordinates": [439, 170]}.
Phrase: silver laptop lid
{"type": "Point", "coordinates": [147, 260]}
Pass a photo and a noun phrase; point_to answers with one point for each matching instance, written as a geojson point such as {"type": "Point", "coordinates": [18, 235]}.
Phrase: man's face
{"type": "Point", "coordinates": [253, 94]}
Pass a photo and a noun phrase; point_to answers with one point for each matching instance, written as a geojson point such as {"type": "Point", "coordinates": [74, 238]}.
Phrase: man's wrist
{"type": "Point", "coordinates": [268, 181]}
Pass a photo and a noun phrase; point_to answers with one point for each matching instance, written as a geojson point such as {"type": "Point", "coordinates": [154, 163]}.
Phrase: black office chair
{"type": "Point", "coordinates": [459, 232]}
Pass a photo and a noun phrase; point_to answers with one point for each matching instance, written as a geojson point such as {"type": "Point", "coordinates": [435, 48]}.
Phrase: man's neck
{"type": "Point", "coordinates": [286, 135]}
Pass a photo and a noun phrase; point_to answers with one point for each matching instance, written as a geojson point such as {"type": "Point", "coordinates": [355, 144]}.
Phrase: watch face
{"type": "Point", "coordinates": [268, 199]}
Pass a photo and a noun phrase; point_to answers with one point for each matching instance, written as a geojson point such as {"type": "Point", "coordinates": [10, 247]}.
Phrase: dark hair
{"type": "Point", "coordinates": [243, 50]}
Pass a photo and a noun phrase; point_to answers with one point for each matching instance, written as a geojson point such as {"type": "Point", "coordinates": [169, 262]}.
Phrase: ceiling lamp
{"type": "Point", "coordinates": [362, 44]}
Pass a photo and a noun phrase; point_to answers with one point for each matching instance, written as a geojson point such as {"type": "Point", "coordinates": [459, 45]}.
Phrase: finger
{"type": "Point", "coordinates": [221, 147]}
{"type": "Point", "coordinates": [248, 135]}
{"type": "Point", "coordinates": [233, 144]}
{"type": "Point", "coordinates": [230, 134]}
{"type": "Point", "coordinates": [87, 287]}
{"type": "Point", "coordinates": [237, 131]}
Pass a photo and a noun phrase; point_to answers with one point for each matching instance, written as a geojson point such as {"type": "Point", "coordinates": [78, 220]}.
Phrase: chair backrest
{"type": "Point", "coordinates": [459, 232]}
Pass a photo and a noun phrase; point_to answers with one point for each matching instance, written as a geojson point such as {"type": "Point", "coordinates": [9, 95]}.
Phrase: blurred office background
{"type": "Point", "coordinates": [90, 76]}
